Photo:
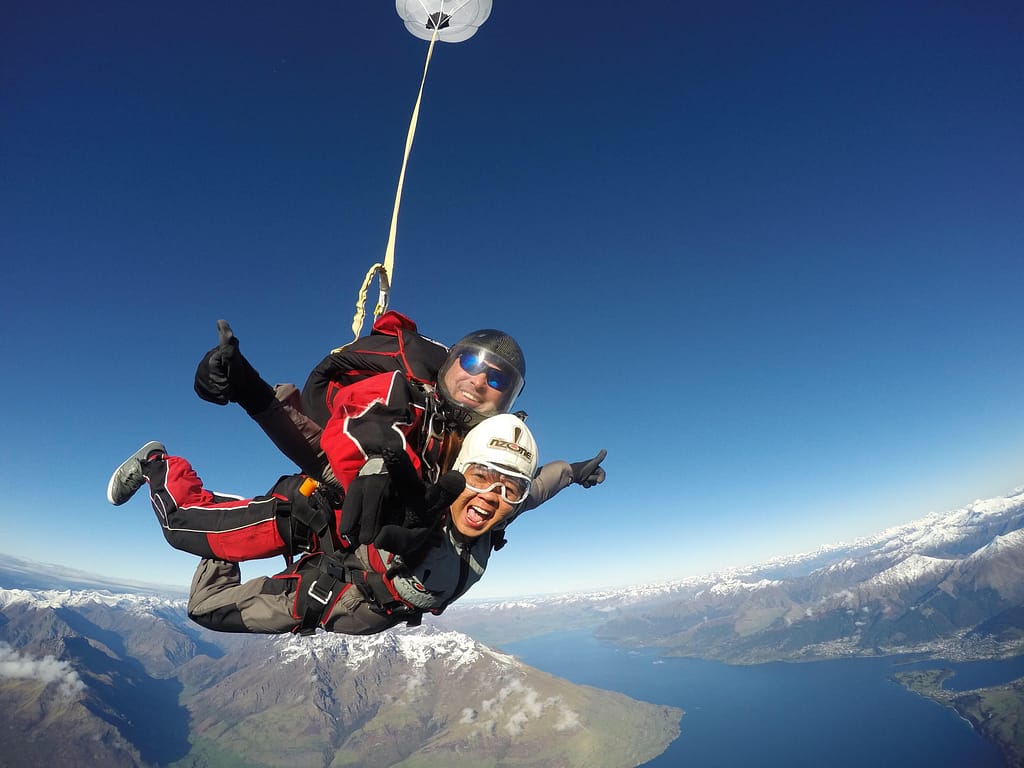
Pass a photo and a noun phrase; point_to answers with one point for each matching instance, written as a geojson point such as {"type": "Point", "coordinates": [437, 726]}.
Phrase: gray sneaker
{"type": "Point", "coordinates": [128, 478]}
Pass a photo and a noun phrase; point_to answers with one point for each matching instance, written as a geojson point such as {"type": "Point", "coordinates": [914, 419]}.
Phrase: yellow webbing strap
{"type": "Point", "coordinates": [381, 272]}
{"type": "Point", "coordinates": [385, 270]}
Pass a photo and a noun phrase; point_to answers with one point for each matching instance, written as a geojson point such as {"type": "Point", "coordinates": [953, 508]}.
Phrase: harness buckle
{"type": "Point", "coordinates": [316, 594]}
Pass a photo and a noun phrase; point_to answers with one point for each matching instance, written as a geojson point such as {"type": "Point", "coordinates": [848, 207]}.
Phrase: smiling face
{"type": "Point", "coordinates": [472, 390]}
{"type": "Point", "coordinates": [483, 373]}
{"type": "Point", "coordinates": [498, 458]}
{"type": "Point", "coordinates": [474, 513]}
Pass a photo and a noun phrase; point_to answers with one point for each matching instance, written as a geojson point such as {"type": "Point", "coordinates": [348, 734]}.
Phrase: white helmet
{"type": "Point", "coordinates": [505, 444]}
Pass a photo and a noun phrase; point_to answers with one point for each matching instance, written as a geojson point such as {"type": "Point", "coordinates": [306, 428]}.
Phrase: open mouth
{"type": "Point", "coordinates": [477, 517]}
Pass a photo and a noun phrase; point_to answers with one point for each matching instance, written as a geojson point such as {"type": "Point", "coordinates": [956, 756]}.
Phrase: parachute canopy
{"type": "Point", "coordinates": [453, 20]}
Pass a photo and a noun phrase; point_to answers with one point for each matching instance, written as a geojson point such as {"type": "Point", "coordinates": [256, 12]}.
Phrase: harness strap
{"type": "Point", "coordinates": [324, 577]}
{"type": "Point", "coordinates": [464, 568]}
{"type": "Point", "coordinates": [315, 519]}
{"type": "Point", "coordinates": [374, 588]}
{"type": "Point", "coordinates": [316, 599]}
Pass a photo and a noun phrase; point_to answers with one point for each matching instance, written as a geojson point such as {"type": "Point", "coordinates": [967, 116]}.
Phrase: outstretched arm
{"type": "Point", "coordinates": [224, 375]}
{"type": "Point", "coordinates": [556, 475]}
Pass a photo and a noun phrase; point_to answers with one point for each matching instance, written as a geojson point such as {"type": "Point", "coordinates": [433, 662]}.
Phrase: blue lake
{"type": "Point", "coordinates": [844, 713]}
{"type": "Point", "coordinates": [977, 674]}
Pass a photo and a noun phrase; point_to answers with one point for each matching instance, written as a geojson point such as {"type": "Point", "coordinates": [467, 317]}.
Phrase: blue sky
{"type": "Point", "coordinates": [768, 255]}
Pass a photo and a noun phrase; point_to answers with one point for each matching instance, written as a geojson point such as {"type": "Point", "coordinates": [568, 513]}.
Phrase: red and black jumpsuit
{"type": "Point", "coordinates": [382, 411]}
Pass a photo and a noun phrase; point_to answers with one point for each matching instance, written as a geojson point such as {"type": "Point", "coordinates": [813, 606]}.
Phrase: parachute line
{"type": "Point", "coordinates": [386, 270]}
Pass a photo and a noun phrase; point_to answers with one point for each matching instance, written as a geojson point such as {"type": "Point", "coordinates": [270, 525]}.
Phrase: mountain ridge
{"type": "Point", "coordinates": [929, 586]}
{"type": "Point", "coordinates": [119, 672]}
{"type": "Point", "coordinates": [128, 680]}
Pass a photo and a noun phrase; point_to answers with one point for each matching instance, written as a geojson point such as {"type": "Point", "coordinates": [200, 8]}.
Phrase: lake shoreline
{"type": "Point", "coordinates": [995, 712]}
{"type": "Point", "coordinates": [777, 704]}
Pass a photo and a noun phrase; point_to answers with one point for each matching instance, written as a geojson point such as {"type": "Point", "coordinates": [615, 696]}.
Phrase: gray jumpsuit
{"type": "Point", "coordinates": [219, 600]}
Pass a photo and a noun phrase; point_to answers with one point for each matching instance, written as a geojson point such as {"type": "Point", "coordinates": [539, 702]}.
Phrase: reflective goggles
{"type": "Point", "coordinates": [481, 478]}
{"type": "Point", "coordinates": [475, 363]}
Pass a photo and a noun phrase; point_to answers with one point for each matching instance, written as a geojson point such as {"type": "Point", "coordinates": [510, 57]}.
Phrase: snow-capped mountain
{"type": "Point", "coordinates": [949, 584]}
{"type": "Point", "coordinates": [118, 676]}
{"type": "Point", "coordinates": [16, 573]}
{"type": "Point", "coordinates": [91, 677]}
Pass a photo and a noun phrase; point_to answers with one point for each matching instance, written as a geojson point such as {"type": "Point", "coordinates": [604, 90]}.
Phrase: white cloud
{"type": "Point", "coordinates": [513, 686]}
{"type": "Point", "coordinates": [531, 705]}
{"type": "Point", "coordinates": [516, 704]}
{"type": "Point", "coordinates": [414, 685]}
{"type": "Point", "coordinates": [47, 669]}
{"type": "Point", "coordinates": [567, 719]}
{"type": "Point", "coordinates": [516, 722]}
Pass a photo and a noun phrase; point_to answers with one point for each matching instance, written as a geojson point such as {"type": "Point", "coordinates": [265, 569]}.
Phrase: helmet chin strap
{"type": "Point", "coordinates": [460, 415]}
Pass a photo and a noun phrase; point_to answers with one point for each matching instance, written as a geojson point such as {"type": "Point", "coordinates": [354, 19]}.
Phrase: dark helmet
{"type": "Point", "coordinates": [492, 352]}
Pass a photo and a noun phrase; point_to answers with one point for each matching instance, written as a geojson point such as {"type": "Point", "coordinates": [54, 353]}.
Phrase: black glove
{"type": "Point", "coordinates": [589, 473]}
{"type": "Point", "coordinates": [212, 372]}
{"type": "Point", "coordinates": [224, 375]}
{"type": "Point", "coordinates": [416, 508]}
{"type": "Point", "coordinates": [362, 512]}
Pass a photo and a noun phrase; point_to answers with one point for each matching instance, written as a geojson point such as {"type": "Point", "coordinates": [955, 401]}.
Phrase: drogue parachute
{"type": "Point", "coordinates": [450, 21]}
